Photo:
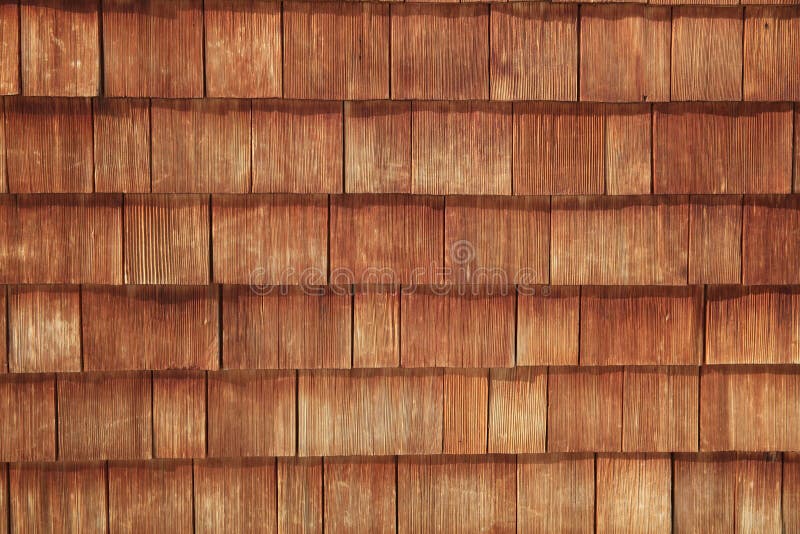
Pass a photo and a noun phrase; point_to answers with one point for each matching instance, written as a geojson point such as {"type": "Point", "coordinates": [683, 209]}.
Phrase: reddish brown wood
{"type": "Point", "coordinates": [517, 410]}
{"type": "Point", "coordinates": [28, 424]}
{"type": "Point", "coordinates": [547, 325]}
{"type": "Point", "coordinates": [360, 495]}
{"type": "Point", "coordinates": [771, 64]}
{"type": "Point", "coordinates": [121, 145]}
{"type": "Point", "coordinates": [771, 240]}
{"type": "Point", "coordinates": [179, 414]}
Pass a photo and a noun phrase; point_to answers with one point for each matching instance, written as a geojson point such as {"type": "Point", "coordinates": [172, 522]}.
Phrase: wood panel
{"type": "Point", "coordinates": [466, 411]}
{"type": "Point", "coordinates": [376, 327]}
{"type": "Point", "coordinates": [28, 424]}
{"type": "Point", "coordinates": [715, 239]}
{"type": "Point", "coordinates": [771, 240]}
{"type": "Point", "coordinates": [179, 414]}
{"type": "Point", "coordinates": [771, 62]}
{"type": "Point", "coordinates": [9, 47]}
{"type": "Point", "coordinates": [360, 495]}
{"type": "Point", "coordinates": [517, 410]}
{"type": "Point", "coordinates": [370, 412]}
{"type": "Point", "coordinates": [300, 495]}
{"type": "Point", "coordinates": [548, 319]}
{"type": "Point", "coordinates": [121, 145]}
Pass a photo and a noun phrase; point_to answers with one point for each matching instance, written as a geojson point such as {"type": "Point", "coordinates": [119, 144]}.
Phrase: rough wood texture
{"type": "Point", "coordinates": [517, 410]}
{"type": "Point", "coordinates": [584, 409]}
{"type": "Point", "coordinates": [49, 145]}
{"type": "Point", "coordinates": [771, 240]}
{"type": "Point", "coordinates": [235, 495]}
{"type": "Point", "coordinates": [4, 332]}
{"type": "Point", "coordinates": [300, 495]}
{"type": "Point", "coordinates": [359, 495]}
{"type": "Point", "coordinates": [68, 239]}
{"type": "Point", "coordinates": [44, 329]}
{"type": "Point", "coordinates": [555, 493]}
{"type": "Point", "coordinates": [534, 52]}
{"type": "Point", "coordinates": [386, 239]}
{"type": "Point", "coordinates": [660, 409]}
{"type": "Point", "coordinates": [547, 325]}
{"type": "Point", "coordinates": [121, 145]}
{"type": "Point", "coordinates": [377, 145]}
{"type": "Point", "coordinates": [3, 168]}
{"type": "Point", "coordinates": [722, 148]}
{"type": "Point", "coordinates": [179, 414]}
{"type": "Point", "coordinates": [293, 251]}
{"type": "Point", "coordinates": [201, 146]}
{"type": "Point", "coordinates": [265, 403]}
{"type": "Point", "coordinates": [771, 61]}
{"type": "Point", "coordinates": [243, 48]}
{"type": "Point", "coordinates": [457, 326]}
{"type": "Point", "coordinates": [376, 327]}
{"type": "Point", "coordinates": [150, 327]}
{"type": "Point", "coordinates": [440, 51]}
{"type": "Point", "coordinates": [638, 38]}
{"type": "Point", "coordinates": [619, 240]}
{"type": "Point", "coordinates": [668, 322]}
{"type": "Point", "coordinates": [634, 493]}
{"type": "Point", "coordinates": [153, 48]}
{"type": "Point", "coordinates": [707, 53]}
{"type": "Point", "coordinates": [497, 240]}
{"type": "Point", "coordinates": [28, 425]}
{"type": "Point", "coordinates": [715, 239]}
{"type": "Point", "coordinates": [60, 47]}
{"type": "Point", "coordinates": [461, 148]}
{"type": "Point", "coordinates": [167, 239]}
{"type": "Point", "coordinates": [758, 493]}
{"type": "Point", "coordinates": [297, 146]}
{"type": "Point", "coordinates": [104, 416]}
{"type": "Point", "coordinates": [336, 51]}
{"type": "Point", "coordinates": [9, 47]}
{"type": "Point", "coordinates": [58, 497]}
{"type": "Point", "coordinates": [151, 496]}
{"type": "Point", "coordinates": [466, 401]}
{"type": "Point", "coordinates": [791, 492]}
{"type": "Point", "coordinates": [370, 412]}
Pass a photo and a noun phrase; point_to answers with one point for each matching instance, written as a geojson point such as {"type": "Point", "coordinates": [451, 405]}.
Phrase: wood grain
{"type": "Point", "coordinates": [9, 47]}
{"type": "Point", "coordinates": [3, 168]}
{"type": "Point", "coordinates": [758, 493]}
{"type": "Point", "coordinates": [548, 319]}
{"type": "Point", "coordinates": [179, 414]}
{"type": "Point", "coordinates": [300, 495]}
{"type": "Point", "coordinates": [121, 145]}
{"type": "Point", "coordinates": [517, 410]}
{"type": "Point", "coordinates": [705, 492]}
{"type": "Point", "coordinates": [376, 327]}
{"type": "Point", "coordinates": [466, 408]}
{"type": "Point", "coordinates": [771, 62]}
{"type": "Point", "coordinates": [360, 495]}
{"type": "Point", "coordinates": [715, 239]}
{"type": "Point", "coordinates": [628, 149]}
{"type": "Point", "coordinates": [4, 333]}
{"type": "Point", "coordinates": [771, 240]}
{"type": "Point", "coordinates": [791, 491]}
{"type": "Point", "coordinates": [28, 425]}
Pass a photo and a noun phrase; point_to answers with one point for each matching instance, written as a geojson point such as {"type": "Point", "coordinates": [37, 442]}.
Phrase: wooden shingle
{"type": "Point", "coordinates": [791, 491]}
{"type": "Point", "coordinates": [461, 148]}
{"type": "Point", "coordinates": [440, 51]}
{"type": "Point", "coordinates": [44, 329]}
{"type": "Point", "coordinates": [4, 331]}
{"type": "Point", "coordinates": [243, 48]}
{"type": "Point", "coordinates": [758, 493]}
{"type": "Point", "coordinates": [376, 327]}
{"type": "Point", "coordinates": [179, 414]}
{"type": "Point", "coordinates": [265, 402]}
{"type": "Point", "coordinates": [336, 51]}
{"type": "Point", "coordinates": [121, 145]}
{"type": "Point", "coordinates": [715, 239]}
{"type": "Point", "coordinates": [619, 240]}
{"type": "Point", "coordinates": [517, 410]}
{"type": "Point", "coordinates": [3, 168]}
{"type": "Point", "coordinates": [668, 322]}
{"type": "Point", "coordinates": [771, 61]}
{"type": "Point", "coordinates": [359, 495]}
{"type": "Point", "coordinates": [150, 327]}
{"type": "Point", "coordinates": [771, 240]}
{"type": "Point", "coordinates": [60, 47]}
{"type": "Point", "coordinates": [370, 412]}
{"type": "Point", "coordinates": [9, 47]}
{"type": "Point", "coordinates": [153, 48]}
{"type": "Point", "coordinates": [638, 40]}
{"type": "Point", "coordinates": [104, 416]}
{"type": "Point", "coordinates": [466, 401]}
{"type": "Point", "coordinates": [200, 146]}
{"type": "Point", "coordinates": [49, 145]}
{"type": "Point", "coordinates": [167, 239]}
{"type": "Point", "coordinates": [547, 325]}
{"type": "Point", "coordinates": [300, 495]}
{"type": "Point", "coordinates": [293, 251]}
{"type": "Point", "coordinates": [28, 424]}
{"type": "Point", "coordinates": [58, 497]}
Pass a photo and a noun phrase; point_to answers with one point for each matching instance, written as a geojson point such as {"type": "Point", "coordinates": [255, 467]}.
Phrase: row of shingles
{"type": "Point", "coordinates": [342, 51]}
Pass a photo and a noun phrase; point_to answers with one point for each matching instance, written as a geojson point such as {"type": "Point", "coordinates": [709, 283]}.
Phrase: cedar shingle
{"type": "Point", "coordinates": [624, 53]}
{"type": "Point", "coordinates": [235, 495]}
{"type": "Point", "coordinates": [150, 327]}
{"type": "Point", "coordinates": [359, 495]}
{"type": "Point", "coordinates": [628, 149]}
{"type": "Point", "coordinates": [386, 239]}
{"type": "Point", "coordinates": [758, 493]}
{"type": "Point", "coordinates": [497, 240]}
{"type": "Point", "coordinates": [377, 143]}
{"type": "Point", "coordinates": [61, 239]}
{"type": "Point", "coordinates": [153, 48]}
{"type": "Point", "coordinates": [49, 145]}
{"type": "Point", "coordinates": [440, 51]}
{"type": "Point", "coordinates": [370, 412]}
{"type": "Point", "coordinates": [619, 240]}
{"type": "Point", "coordinates": [243, 48]}
{"type": "Point", "coordinates": [167, 239]}
{"type": "Point", "coordinates": [104, 416]}
{"type": "Point", "coordinates": [28, 423]}
{"type": "Point", "coordinates": [9, 47]}
{"type": "Point", "coordinates": [336, 51]}
{"type": "Point", "coordinates": [265, 404]}
{"type": "Point", "coordinates": [44, 327]}
{"type": "Point", "coordinates": [660, 407]}
{"type": "Point", "coordinates": [722, 148]}
{"type": "Point", "coordinates": [480, 491]}
{"type": "Point", "coordinates": [517, 410]}
{"type": "Point", "coordinates": [179, 414]}
{"type": "Point", "coordinates": [154, 496]}
{"type": "Point", "coordinates": [534, 52]}
{"type": "Point", "coordinates": [297, 146]}
{"type": "Point", "coordinates": [707, 53]}
{"type": "Point", "coordinates": [58, 497]}
{"type": "Point", "coordinates": [60, 47]}
{"type": "Point", "coordinates": [466, 402]}
{"type": "Point", "coordinates": [300, 495]}
{"type": "Point", "coordinates": [668, 322]}
{"type": "Point", "coordinates": [293, 251]}
{"type": "Point", "coordinates": [791, 491]}
{"type": "Point", "coordinates": [547, 325]}
{"type": "Point", "coordinates": [715, 239]}
{"type": "Point", "coordinates": [771, 61]}
{"type": "Point", "coordinates": [461, 148]}
{"type": "Point", "coordinates": [3, 168]}
{"type": "Point", "coordinates": [584, 409]}
{"type": "Point", "coordinates": [201, 146]}
{"type": "Point", "coordinates": [771, 240]}
{"type": "Point", "coordinates": [4, 331]}
{"type": "Point", "coordinates": [121, 145]}
{"type": "Point", "coordinates": [376, 327]}
{"type": "Point", "coordinates": [457, 326]}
